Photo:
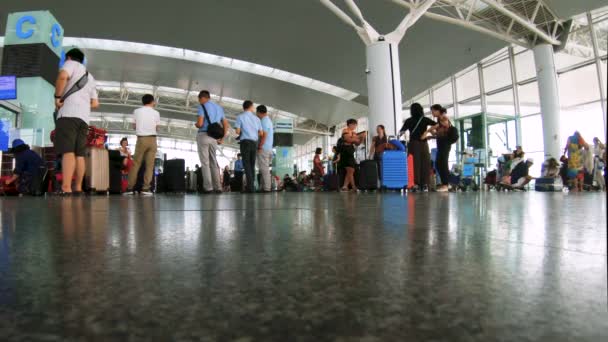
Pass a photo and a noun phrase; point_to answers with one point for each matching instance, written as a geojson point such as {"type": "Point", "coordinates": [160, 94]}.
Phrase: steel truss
{"type": "Point", "coordinates": [521, 22]}
{"type": "Point", "coordinates": [178, 108]}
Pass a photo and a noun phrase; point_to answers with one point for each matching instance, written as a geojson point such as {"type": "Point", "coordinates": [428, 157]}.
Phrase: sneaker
{"type": "Point", "coordinates": [425, 188]}
{"type": "Point", "coordinates": [147, 193]}
{"type": "Point", "coordinates": [442, 189]}
{"type": "Point", "coordinates": [129, 193]}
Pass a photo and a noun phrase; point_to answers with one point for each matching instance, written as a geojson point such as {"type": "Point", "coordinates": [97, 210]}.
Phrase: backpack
{"type": "Point", "coordinates": [452, 135]}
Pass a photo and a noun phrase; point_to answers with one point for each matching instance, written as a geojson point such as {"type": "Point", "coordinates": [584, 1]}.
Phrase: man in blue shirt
{"type": "Point", "coordinates": [265, 148]}
{"type": "Point", "coordinates": [207, 146]}
{"type": "Point", "coordinates": [238, 164]}
{"type": "Point", "coordinates": [249, 127]}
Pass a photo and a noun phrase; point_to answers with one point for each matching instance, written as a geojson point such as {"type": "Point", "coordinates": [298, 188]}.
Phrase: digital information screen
{"type": "Point", "coordinates": [8, 88]}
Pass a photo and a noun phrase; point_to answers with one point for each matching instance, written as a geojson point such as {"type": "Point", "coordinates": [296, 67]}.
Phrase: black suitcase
{"type": "Point", "coordinates": [368, 175]}
{"type": "Point", "coordinates": [140, 180]}
{"type": "Point", "coordinates": [116, 164]}
{"type": "Point", "coordinates": [331, 182]}
{"type": "Point", "coordinates": [174, 179]}
{"type": "Point", "coordinates": [236, 182]}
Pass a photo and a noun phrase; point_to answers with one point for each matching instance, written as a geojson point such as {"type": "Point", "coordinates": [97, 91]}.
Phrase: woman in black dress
{"type": "Point", "coordinates": [418, 147]}
{"type": "Point", "coordinates": [350, 139]}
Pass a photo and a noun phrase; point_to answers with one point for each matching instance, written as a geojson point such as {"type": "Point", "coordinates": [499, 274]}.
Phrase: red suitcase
{"type": "Point", "coordinates": [410, 171]}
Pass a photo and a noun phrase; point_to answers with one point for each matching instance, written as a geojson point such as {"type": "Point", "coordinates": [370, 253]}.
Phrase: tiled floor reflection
{"type": "Point", "coordinates": [305, 267]}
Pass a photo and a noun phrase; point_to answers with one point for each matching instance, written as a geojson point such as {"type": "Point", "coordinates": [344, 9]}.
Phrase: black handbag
{"type": "Point", "coordinates": [214, 130]}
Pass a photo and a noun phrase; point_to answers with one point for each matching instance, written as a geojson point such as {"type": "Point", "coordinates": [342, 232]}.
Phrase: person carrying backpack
{"type": "Point", "coordinates": [446, 135]}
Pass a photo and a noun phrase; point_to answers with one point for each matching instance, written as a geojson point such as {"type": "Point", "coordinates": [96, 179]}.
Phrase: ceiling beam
{"type": "Point", "coordinates": [522, 21]}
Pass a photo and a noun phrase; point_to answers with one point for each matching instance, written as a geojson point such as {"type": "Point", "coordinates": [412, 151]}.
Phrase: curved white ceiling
{"type": "Point", "coordinates": [211, 59]}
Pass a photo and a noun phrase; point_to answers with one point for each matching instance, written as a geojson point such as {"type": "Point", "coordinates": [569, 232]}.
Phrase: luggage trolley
{"type": "Point", "coordinates": [467, 174]}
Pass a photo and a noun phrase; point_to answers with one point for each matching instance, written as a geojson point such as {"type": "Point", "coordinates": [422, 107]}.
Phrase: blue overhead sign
{"type": "Point", "coordinates": [8, 88]}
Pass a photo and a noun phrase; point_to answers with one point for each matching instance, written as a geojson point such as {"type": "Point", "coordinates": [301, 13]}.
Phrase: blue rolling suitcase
{"type": "Point", "coordinates": [394, 169]}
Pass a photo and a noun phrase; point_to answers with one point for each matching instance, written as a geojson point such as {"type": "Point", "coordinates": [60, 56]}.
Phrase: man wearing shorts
{"type": "Point", "coordinates": [72, 125]}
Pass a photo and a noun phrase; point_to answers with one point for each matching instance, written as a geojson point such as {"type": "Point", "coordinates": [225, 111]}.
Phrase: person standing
{"type": "Point", "coordinates": [350, 139]}
{"type": "Point", "coordinates": [418, 147]}
{"type": "Point", "coordinates": [264, 156]}
{"type": "Point", "coordinates": [573, 148]}
{"type": "Point", "coordinates": [147, 120]}
{"type": "Point", "coordinates": [75, 95]}
{"type": "Point", "coordinates": [209, 113]}
{"type": "Point", "coordinates": [379, 144]}
{"type": "Point", "coordinates": [317, 163]}
{"type": "Point", "coordinates": [249, 127]}
{"type": "Point", "coordinates": [441, 132]}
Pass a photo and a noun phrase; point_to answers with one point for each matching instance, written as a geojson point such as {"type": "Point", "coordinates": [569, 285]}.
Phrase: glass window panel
{"type": "Point", "coordinates": [579, 86]}
{"type": "Point", "coordinates": [467, 85]}
{"type": "Point", "coordinates": [443, 95]}
{"type": "Point", "coordinates": [532, 133]}
{"type": "Point", "coordinates": [579, 48]}
{"type": "Point", "coordinates": [601, 33]}
{"type": "Point", "coordinates": [588, 119]}
{"type": "Point", "coordinates": [425, 101]}
{"type": "Point", "coordinates": [529, 101]}
{"type": "Point", "coordinates": [497, 75]}
{"type": "Point", "coordinates": [498, 140]}
{"type": "Point", "coordinates": [525, 67]}
{"type": "Point", "coordinates": [604, 77]}
{"type": "Point", "coordinates": [501, 103]}
{"type": "Point", "coordinates": [469, 108]}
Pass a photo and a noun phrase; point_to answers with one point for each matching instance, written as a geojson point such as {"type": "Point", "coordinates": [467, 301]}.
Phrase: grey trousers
{"type": "Point", "coordinates": [207, 147]}
{"type": "Point", "coordinates": [263, 160]}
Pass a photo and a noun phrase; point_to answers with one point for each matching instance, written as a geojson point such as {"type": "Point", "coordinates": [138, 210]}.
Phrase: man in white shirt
{"type": "Point", "coordinates": [147, 120]}
{"type": "Point", "coordinates": [75, 95]}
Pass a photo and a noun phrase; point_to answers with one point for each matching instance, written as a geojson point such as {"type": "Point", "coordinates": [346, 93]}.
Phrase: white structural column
{"type": "Point", "coordinates": [549, 99]}
{"type": "Point", "coordinates": [384, 86]}
{"type": "Point", "coordinates": [382, 54]}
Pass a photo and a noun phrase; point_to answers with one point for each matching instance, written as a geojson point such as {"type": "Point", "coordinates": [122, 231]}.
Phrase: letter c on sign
{"type": "Point", "coordinates": [55, 34]}
{"type": "Point", "coordinates": [20, 33]}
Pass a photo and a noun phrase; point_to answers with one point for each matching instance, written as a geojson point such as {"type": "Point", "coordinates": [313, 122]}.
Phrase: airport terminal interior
{"type": "Point", "coordinates": [489, 226]}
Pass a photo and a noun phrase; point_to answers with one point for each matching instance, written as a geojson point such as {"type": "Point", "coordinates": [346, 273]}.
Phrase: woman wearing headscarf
{"type": "Point", "coordinates": [573, 149]}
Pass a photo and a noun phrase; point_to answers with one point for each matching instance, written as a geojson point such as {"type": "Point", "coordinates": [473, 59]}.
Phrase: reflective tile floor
{"type": "Point", "coordinates": [305, 267]}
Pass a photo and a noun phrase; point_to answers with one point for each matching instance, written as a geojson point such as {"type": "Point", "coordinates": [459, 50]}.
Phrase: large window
{"type": "Point", "coordinates": [497, 75]}
{"type": "Point", "coordinates": [501, 103]}
{"type": "Point", "coordinates": [443, 95]}
{"type": "Point", "coordinates": [529, 101]}
{"type": "Point", "coordinates": [579, 86]}
{"type": "Point", "coordinates": [467, 85]}
{"type": "Point", "coordinates": [579, 83]}
{"type": "Point", "coordinates": [525, 67]}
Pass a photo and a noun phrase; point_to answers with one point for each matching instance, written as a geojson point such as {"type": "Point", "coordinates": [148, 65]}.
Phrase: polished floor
{"type": "Point", "coordinates": [305, 267]}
